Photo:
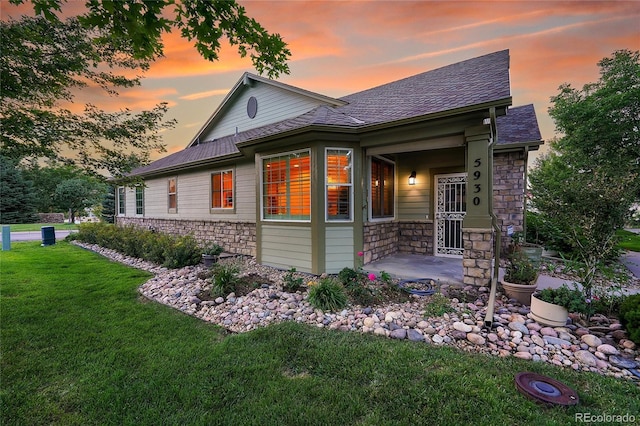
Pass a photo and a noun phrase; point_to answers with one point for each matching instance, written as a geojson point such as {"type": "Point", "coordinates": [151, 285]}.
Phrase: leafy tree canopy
{"type": "Point", "coordinates": [586, 186]}
{"type": "Point", "coordinates": [77, 194]}
{"type": "Point", "coordinates": [46, 60]}
{"type": "Point", "coordinates": [600, 124]}
{"type": "Point", "coordinates": [137, 26]}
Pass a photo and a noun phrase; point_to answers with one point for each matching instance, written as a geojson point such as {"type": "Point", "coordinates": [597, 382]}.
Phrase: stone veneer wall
{"type": "Point", "coordinates": [235, 237]}
{"type": "Point", "coordinates": [478, 252]}
{"type": "Point", "coordinates": [508, 192]}
{"type": "Point", "coordinates": [415, 237]}
{"type": "Point", "coordinates": [380, 240]}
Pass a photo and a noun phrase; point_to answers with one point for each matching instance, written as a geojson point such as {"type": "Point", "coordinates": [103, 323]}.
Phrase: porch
{"type": "Point", "coordinates": [445, 270]}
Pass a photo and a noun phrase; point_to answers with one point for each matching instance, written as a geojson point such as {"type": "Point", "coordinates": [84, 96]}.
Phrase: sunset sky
{"type": "Point", "coordinates": [342, 47]}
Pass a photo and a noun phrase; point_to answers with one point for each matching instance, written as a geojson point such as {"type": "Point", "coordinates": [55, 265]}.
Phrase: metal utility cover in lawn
{"type": "Point", "coordinates": [545, 389]}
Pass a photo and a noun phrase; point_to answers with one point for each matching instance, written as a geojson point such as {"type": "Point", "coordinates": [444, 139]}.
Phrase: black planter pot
{"type": "Point", "coordinates": [209, 259]}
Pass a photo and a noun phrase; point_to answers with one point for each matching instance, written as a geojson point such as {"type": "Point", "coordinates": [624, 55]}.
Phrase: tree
{"type": "Point", "coordinates": [108, 211]}
{"type": "Point", "coordinates": [17, 204]}
{"type": "Point", "coordinates": [77, 194]}
{"type": "Point", "coordinates": [42, 66]}
{"type": "Point", "coordinates": [137, 26]}
{"type": "Point", "coordinates": [600, 124]}
{"type": "Point", "coordinates": [587, 184]}
{"type": "Point", "coordinates": [45, 180]}
{"type": "Point", "coordinates": [45, 61]}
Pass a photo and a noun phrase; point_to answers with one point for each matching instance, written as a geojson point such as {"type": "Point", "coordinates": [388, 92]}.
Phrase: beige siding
{"type": "Point", "coordinates": [194, 197]}
{"type": "Point", "coordinates": [413, 200]}
{"type": "Point", "coordinates": [339, 249]}
{"type": "Point", "coordinates": [274, 104]}
{"type": "Point", "coordinates": [286, 247]}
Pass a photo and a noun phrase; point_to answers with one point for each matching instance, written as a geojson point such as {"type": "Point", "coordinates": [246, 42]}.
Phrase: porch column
{"type": "Point", "coordinates": [477, 233]}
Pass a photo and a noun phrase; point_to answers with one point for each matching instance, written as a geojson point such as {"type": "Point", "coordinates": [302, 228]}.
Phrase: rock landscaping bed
{"type": "Point", "coordinates": [601, 347]}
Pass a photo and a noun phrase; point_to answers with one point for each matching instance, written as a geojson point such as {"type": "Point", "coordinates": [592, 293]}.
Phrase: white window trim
{"type": "Point", "coordinates": [395, 191]}
{"type": "Point", "coordinates": [135, 192]}
{"type": "Point", "coordinates": [326, 186]}
{"type": "Point", "coordinates": [169, 209]}
{"type": "Point", "coordinates": [124, 198]}
{"type": "Point", "coordinates": [282, 154]}
{"type": "Point", "coordinates": [233, 192]}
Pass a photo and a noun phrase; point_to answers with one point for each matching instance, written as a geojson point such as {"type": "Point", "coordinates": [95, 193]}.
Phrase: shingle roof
{"type": "Point", "coordinates": [471, 82]}
{"type": "Point", "coordinates": [468, 83]}
{"type": "Point", "coordinates": [518, 126]}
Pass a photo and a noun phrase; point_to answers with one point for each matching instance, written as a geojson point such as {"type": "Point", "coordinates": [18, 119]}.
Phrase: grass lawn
{"type": "Point", "coordinates": [80, 346]}
{"type": "Point", "coordinates": [37, 226]}
{"type": "Point", "coordinates": [629, 240]}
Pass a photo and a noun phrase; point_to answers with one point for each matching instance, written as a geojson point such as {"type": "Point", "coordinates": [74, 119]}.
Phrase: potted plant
{"type": "Point", "coordinates": [521, 274]}
{"type": "Point", "coordinates": [531, 250]}
{"type": "Point", "coordinates": [210, 254]}
{"type": "Point", "coordinates": [551, 306]}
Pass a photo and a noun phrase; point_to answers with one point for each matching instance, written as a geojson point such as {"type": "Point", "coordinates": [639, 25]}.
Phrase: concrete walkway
{"type": "Point", "coordinates": [36, 235]}
{"type": "Point", "coordinates": [447, 270]}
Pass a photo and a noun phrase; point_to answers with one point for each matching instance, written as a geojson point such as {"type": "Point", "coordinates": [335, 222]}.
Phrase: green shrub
{"type": "Point", "coordinates": [225, 277]}
{"type": "Point", "coordinates": [154, 247]}
{"type": "Point", "coordinates": [572, 299]}
{"type": "Point", "coordinates": [183, 251]}
{"type": "Point", "coordinates": [348, 276]}
{"type": "Point", "coordinates": [212, 249]}
{"type": "Point", "coordinates": [437, 306]}
{"type": "Point", "coordinates": [292, 283]}
{"type": "Point", "coordinates": [162, 249]}
{"type": "Point", "coordinates": [630, 316]}
{"type": "Point", "coordinates": [328, 295]}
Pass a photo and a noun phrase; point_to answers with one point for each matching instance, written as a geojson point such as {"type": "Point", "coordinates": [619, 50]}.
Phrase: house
{"type": "Point", "coordinates": [299, 179]}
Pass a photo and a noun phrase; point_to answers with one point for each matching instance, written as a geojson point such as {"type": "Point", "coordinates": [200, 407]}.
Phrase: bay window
{"type": "Point", "coordinates": [286, 186]}
{"type": "Point", "coordinates": [339, 184]}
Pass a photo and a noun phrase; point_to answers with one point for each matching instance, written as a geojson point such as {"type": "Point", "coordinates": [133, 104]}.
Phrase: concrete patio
{"type": "Point", "coordinates": [446, 270]}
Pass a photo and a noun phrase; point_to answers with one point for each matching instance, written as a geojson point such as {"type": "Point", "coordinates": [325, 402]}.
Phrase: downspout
{"type": "Point", "coordinates": [526, 184]}
{"type": "Point", "coordinates": [488, 319]}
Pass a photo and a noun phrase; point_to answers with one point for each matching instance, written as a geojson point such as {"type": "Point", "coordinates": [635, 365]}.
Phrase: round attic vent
{"type": "Point", "coordinates": [252, 107]}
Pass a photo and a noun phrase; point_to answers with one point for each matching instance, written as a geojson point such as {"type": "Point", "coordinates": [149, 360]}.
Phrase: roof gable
{"type": "Point", "coordinates": [472, 84]}
{"type": "Point", "coordinates": [273, 102]}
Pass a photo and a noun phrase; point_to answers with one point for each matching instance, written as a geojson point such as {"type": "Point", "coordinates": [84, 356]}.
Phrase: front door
{"type": "Point", "coordinates": [449, 213]}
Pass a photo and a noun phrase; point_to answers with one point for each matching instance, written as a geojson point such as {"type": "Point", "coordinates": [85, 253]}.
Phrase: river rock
{"type": "Point", "coordinates": [460, 326]}
{"type": "Point", "coordinates": [548, 331]}
{"type": "Point", "coordinates": [586, 358]}
{"type": "Point", "coordinates": [519, 326]}
{"type": "Point", "coordinates": [399, 333]}
{"type": "Point", "coordinates": [621, 362]}
{"type": "Point", "coordinates": [523, 355]}
{"type": "Point", "coordinates": [591, 340]}
{"type": "Point", "coordinates": [475, 339]}
{"type": "Point", "coordinates": [608, 350]}
{"type": "Point", "coordinates": [555, 341]}
{"type": "Point", "coordinates": [414, 335]}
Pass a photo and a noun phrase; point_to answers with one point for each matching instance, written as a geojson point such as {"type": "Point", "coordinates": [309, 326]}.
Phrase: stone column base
{"type": "Point", "coordinates": [478, 255]}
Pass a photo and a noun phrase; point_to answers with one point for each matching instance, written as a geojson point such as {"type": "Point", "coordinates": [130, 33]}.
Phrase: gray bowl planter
{"type": "Point", "coordinates": [548, 313]}
{"type": "Point", "coordinates": [520, 292]}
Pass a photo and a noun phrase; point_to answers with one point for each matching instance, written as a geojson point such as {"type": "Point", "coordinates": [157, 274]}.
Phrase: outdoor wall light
{"type": "Point", "coordinates": [412, 178]}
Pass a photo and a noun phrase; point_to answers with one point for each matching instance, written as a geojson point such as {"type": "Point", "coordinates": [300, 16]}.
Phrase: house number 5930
{"type": "Point", "coordinates": [477, 188]}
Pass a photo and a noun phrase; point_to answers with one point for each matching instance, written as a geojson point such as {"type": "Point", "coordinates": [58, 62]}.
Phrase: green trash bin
{"type": "Point", "coordinates": [48, 235]}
